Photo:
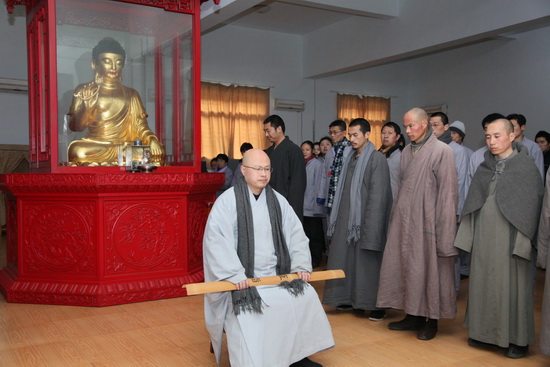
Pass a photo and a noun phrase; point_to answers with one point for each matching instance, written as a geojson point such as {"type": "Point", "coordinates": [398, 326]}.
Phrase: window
{"type": "Point", "coordinates": [374, 109]}
{"type": "Point", "coordinates": [232, 115]}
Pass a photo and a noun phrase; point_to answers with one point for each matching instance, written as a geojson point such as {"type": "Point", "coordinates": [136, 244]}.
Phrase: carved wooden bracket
{"type": "Point", "coordinates": [174, 5]}
{"type": "Point", "coordinates": [11, 3]}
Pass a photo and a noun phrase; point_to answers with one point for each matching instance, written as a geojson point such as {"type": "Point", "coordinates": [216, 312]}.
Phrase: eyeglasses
{"type": "Point", "coordinates": [258, 169]}
{"type": "Point", "coordinates": [335, 132]}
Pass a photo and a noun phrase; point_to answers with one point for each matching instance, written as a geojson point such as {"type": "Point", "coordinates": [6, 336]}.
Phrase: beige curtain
{"type": "Point", "coordinates": [375, 109]}
{"type": "Point", "coordinates": [232, 115]}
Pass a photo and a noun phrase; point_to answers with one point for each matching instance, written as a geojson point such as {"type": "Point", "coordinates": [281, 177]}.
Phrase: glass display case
{"type": "Point", "coordinates": [85, 113]}
{"type": "Point", "coordinates": [115, 207]}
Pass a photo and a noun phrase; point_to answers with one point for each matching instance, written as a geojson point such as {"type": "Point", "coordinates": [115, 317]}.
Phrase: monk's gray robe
{"type": "Point", "coordinates": [543, 260]}
{"type": "Point", "coordinates": [360, 260]}
{"type": "Point", "coordinates": [500, 307]}
{"type": "Point", "coordinates": [290, 328]}
{"type": "Point", "coordinates": [394, 163]}
{"type": "Point", "coordinates": [500, 299]}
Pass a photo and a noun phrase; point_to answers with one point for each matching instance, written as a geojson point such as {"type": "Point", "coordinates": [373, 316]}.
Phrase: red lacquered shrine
{"type": "Point", "coordinates": [88, 230]}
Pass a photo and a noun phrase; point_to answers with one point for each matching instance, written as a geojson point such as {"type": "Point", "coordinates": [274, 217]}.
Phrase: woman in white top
{"type": "Point", "coordinates": [325, 144]}
{"type": "Point", "coordinates": [313, 212]}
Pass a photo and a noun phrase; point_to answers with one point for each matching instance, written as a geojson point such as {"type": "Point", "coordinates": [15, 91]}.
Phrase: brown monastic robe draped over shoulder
{"type": "Point", "coordinates": [417, 273]}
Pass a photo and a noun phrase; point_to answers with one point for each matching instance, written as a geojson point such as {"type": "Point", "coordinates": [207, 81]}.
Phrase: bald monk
{"type": "Point", "coordinates": [498, 227]}
{"type": "Point", "coordinates": [113, 113]}
{"type": "Point", "coordinates": [417, 273]}
{"type": "Point", "coordinates": [271, 325]}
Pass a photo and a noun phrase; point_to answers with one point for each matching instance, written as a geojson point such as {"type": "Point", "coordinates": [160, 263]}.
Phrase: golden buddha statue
{"type": "Point", "coordinates": [113, 113]}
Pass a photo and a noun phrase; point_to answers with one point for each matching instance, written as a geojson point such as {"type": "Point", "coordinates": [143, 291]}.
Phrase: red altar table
{"type": "Point", "coordinates": [104, 239]}
{"type": "Point", "coordinates": [98, 235]}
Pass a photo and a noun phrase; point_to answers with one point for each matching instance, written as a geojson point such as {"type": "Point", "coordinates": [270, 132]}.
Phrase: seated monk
{"type": "Point", "coordinates": [113, 113]}
{"type": "Point", "coordinates": [268, 326]}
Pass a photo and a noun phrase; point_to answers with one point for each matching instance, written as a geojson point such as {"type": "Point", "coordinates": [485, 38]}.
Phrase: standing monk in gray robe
{"type": "Point", "coordinates": [499, 221]}
{"type": "Point", "coordinates": [543, 261]}
{"type": "Point", "coordinates": [417, 273]}
{"type": "Point", "coordinates": [252, 232]}
{"type": "Point", "coordinates": [358, 225]}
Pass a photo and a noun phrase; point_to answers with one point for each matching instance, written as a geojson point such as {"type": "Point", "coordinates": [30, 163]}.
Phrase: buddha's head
{"type": "Point", "coordinates": [108, 58]}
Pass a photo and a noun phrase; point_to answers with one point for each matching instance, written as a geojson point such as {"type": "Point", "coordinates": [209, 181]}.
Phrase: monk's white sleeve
{"type": "Point", "coordinates": [221, 261]}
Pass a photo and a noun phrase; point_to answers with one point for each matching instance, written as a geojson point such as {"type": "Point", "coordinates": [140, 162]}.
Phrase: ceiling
{"type": "Point", "coordinates": [278, 16]}
{"type": "Point", "coordinates": [301, 17]}
{"type": "Point", "coordinates": [297, 17]}
{"type": "Point", "coordinates": [395, 19]}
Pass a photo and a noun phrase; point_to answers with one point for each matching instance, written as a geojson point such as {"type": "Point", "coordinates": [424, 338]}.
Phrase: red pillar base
{"type": "Point", "coordinates": [93, 295]}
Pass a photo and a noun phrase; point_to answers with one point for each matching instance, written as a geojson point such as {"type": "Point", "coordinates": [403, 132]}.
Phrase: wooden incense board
{"type": "Point", "coordinates": [223, 286]}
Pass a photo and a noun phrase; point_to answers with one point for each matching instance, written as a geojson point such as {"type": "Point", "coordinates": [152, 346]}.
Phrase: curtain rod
{"type": "Point", "coordinates": [238, 84]}
{"type": "Point", "coordinates": [362, 94]}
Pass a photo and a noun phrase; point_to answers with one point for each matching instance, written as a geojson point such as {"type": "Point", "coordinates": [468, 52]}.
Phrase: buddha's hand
{"type": "Point", "coordinates": [156, 149]}
{"type": "Point", "coordinates": [89, 94]}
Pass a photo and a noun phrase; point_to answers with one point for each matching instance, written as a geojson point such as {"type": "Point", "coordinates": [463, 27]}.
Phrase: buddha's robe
{"type": "Point", "coordinates": [106, 135]}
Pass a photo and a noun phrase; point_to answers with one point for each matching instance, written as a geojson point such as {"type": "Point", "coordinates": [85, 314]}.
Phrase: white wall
{"type": "Point", "coordinates": [506, 76]}
{"type": "Point", "coordinates": [501, 76]}
{"type": "Point", "coordinates": [422, 26]}
{"type": "Point", "coordinates": [265, 59]}
{"type": "Point", "coordinates": [14, 125]}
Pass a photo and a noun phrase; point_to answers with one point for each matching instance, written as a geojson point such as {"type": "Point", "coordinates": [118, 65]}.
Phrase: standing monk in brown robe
{"type": "Point", "coordinates": [417, 273]}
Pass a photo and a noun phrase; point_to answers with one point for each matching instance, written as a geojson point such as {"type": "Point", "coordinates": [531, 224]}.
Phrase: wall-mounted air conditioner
{"type": "Point", "coordinates": [435, 108]}
{"type": "Point", "coordinates": [289, 105]}
{"type": "Point", "coordinates": [13, 86]}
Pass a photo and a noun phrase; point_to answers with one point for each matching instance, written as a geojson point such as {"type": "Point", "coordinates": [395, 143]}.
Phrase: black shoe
{"type": "Point", "coordinates": [515, 351]}
{"type": "Point", "coordinates": [429, 330]}
{"type": "Point", "coordinates": [410, 322]}
{"type": "Point", "coordinates": [377, 315]}
{"type": "Point", "coordinates": [344, 308]}
{"type": "Point", "coordinates": [306, 362]}
{"type": "Point", "coordinates": [478, 344]}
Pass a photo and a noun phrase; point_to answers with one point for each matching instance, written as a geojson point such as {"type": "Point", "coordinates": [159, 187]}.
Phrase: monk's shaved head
{"type": "Point", "coordinates": [508, 126]}
{"type": "Point", "coordinates": [256, 169]}
{"type": "Point", "coordinates": [418, 113]}
{"type": "Point", "coordinates": [255, 157]}
{"type": "Point", "coordinates": [416, 124]}
{"type": "Point", "coordinates": [499, 135]}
